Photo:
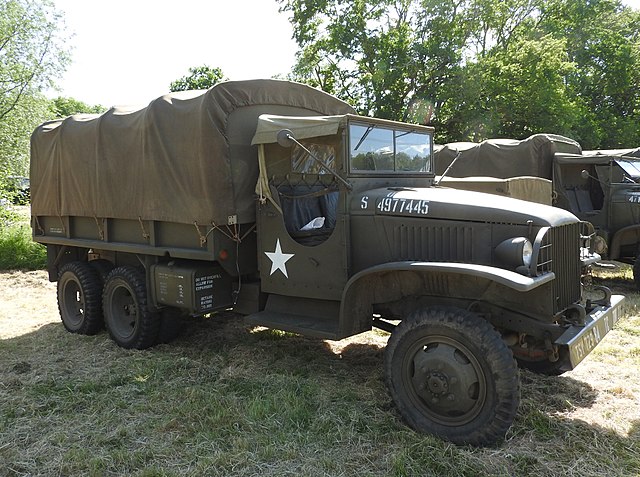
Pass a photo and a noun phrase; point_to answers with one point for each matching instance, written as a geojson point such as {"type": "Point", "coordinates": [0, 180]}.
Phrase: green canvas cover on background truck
{"type": "Point", "coordinates": [601, 187]}
{"type": "Point", "coordinates": [274, 199]}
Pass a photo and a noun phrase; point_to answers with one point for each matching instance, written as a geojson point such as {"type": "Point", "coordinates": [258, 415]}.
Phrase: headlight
{"type": "Point", "coordinates": [515, 252]}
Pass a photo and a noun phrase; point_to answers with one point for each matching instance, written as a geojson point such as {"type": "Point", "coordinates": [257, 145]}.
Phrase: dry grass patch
{"type": "Point", "coordinates": [225, 399]}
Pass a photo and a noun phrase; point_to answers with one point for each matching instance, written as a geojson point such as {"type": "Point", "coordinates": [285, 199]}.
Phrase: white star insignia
{"type": "Point", "coordinates": [279, 259]}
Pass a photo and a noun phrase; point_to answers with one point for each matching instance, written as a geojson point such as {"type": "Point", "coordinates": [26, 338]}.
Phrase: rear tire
{"type": "Point", "coordinates": [128, 319]}
{"type": "Point", "coordinates": [450, 374]}
{"type": "Point", "coordinates": [80, 298]}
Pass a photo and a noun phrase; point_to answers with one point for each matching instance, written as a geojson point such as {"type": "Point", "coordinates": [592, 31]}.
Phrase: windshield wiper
{"type": "Point", "coordinates": [364, 136]}
{"type": "Point", "coordinates": [406, 133]}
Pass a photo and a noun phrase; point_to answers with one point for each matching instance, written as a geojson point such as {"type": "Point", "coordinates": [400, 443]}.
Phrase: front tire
{"type": "Point", "coordinates": [128, 319]}
{"type": "Point", "coordinates": [450, 374]}
{"type": "Point", "coordinates": [80, 298]}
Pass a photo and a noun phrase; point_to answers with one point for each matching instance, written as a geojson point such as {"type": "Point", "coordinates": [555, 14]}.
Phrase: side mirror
{"type": "Point", "coordinates": [285, 138]}
{"type": "Point", "coordinates": [585, 174]}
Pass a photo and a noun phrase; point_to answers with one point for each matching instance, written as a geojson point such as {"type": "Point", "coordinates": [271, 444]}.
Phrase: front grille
{"type": "Point", "coordinates": [435, 243]}
{"type": "Point", "coordinates": [560, 253]}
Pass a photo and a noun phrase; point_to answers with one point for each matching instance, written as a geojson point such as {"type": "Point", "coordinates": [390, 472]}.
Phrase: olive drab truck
{"type": "Point", "coordinates": [603, 187]}
{"type": "Point", "coordinates": [276, 200]}
{"type": "Point", "coordinates": [600, 187]}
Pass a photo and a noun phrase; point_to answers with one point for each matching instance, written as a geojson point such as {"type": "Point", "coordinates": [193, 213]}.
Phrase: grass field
{"type": "Point", "coordinates": [225, 399]}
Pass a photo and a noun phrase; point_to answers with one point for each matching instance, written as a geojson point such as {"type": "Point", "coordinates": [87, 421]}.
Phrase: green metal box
{"type": "Point", "coordinates": [199, 288]}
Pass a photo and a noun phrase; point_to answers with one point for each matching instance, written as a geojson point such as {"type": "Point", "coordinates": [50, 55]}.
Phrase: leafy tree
{"type": "Point", "coordinates": [30, 50]}
{"type": "Point", "coordinates": [32, 55]}
{"type": "Point", "coordinates": [521, 91]}
{"type": "Point", "coordinates": [62, 107]}
{"type": "Point", "coordinates": [603, 40]}
{"type": "Point", "coordinates": [199, 77]}
{"type": "Point", "coordinates": [400, 59]}
{"type": "Point", "coordinates": [384, 57]}
{"type": "Point", "coordinates": [15, 133]}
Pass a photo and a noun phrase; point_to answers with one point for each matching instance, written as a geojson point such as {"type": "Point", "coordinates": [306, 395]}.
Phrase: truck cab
{"type": "Point", "coordinates": [309, 217]}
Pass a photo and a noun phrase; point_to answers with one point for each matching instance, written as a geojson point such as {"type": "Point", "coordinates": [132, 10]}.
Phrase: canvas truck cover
{"type": "Point", "coordinates": [533, 189]}
{"type": "Point", "coordinates": [614, 152]}
{"type": "Point", "coordinates": [504, 158]}
{"type": "Point", "coordinates": [186, 157]}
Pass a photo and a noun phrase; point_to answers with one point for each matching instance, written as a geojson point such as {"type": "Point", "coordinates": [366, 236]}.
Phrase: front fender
{"type": "Point", "coordinates": [508, 278]}
{"type": "Point", "coordinates": [625, 236]}
{"type": "Point", "coordinates": [369, 285]}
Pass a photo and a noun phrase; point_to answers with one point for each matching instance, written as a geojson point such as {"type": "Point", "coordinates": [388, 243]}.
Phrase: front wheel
{"type": "Point", "coordinates": [450, 374]}
{"type": "Point", "coordinates": [128, 319]}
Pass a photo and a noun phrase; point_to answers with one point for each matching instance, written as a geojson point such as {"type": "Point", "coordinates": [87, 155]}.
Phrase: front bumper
{"type": "Point", "coordinates": [582, 339]}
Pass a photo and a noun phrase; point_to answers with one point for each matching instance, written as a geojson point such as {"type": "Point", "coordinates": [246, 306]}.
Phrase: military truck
{"type": "Point", "coordinates": [600, 187]}
{"type": "Point", "coordinates": [603, 187]}
{"type": "Point", "coordinates": [275, 200]}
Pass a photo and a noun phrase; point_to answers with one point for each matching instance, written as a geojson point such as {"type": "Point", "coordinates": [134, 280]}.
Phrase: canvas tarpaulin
{"type": "Point", "coordinates": [270, 125]}
{"type": "Point", "coordinates": [614, 152]}
{"type": "Point", "coordinates": [186, 157]}
{"type": "Point", "coordinates": [533, 189]}
{"type": "Point", "coordinates": [504, 158]}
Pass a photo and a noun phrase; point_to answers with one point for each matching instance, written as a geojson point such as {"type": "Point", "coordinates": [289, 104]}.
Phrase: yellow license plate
{"type": "Point", "coordinates": [581, 340]}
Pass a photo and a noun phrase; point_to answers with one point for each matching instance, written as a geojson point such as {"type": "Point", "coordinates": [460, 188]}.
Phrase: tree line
{"type": "Point", "coordinates": [477, 69]}
{"type": "Point", "coordinates": [474, 69]}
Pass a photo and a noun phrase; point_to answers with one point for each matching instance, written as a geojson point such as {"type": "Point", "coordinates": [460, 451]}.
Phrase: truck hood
{"type": "Point", "coordinates": [455, 204]}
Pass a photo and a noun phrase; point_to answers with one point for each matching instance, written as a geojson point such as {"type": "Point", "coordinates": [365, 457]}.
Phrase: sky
{"type": "Point", "coordinates": [129, 51]}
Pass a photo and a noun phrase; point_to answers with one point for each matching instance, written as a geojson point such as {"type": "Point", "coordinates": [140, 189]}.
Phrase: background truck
{"type": "Point", "coordinates": [601, 187]}
{"type": "Point", "coordinates": [273, 199]}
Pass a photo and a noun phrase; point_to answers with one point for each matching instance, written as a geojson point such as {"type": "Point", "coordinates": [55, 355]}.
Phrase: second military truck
{"type": "Point", "coordinates": [274, 199]}
{"type": "Point", "coordinates": [601, 187]}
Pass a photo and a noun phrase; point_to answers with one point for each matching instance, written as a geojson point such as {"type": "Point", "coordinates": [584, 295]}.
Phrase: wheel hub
{"type": "Point", "coordinates": [445, 382]}
{"type": "Point", "coordinates": [437, 383]}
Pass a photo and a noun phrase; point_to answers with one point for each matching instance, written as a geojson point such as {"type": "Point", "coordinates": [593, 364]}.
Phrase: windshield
{"type": "Point", "coordinates": [631, 169]}
{"type": "Point", "coordinates": [380, 149]}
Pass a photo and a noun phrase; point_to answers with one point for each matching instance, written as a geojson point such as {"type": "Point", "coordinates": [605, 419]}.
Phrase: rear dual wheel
{"type": "Point", "coordinates": [130, 322]}
{"type": "Point", "coordinates": [80, 298]}
{"type": "Point", "coordinates": [450, 374]}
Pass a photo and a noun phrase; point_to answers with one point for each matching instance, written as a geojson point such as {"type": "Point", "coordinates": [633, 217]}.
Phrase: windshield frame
{"type": "Point", "coordinates": [399, 130]}
{"type": "Point", "coordinates": [630, 167]}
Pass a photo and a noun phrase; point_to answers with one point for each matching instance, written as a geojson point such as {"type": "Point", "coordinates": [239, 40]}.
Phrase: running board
{"type": "Point", "coordinates": [308, 317]}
